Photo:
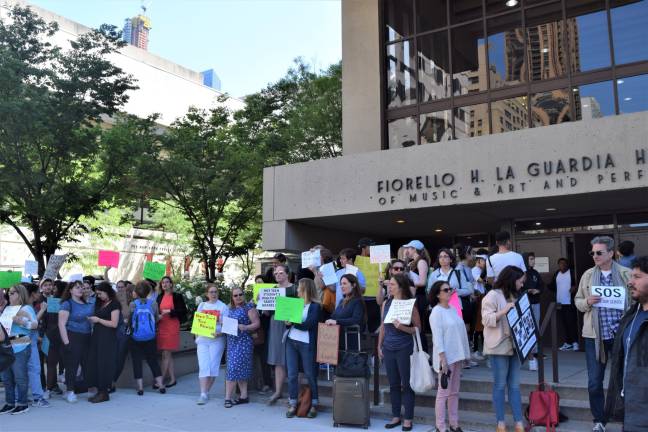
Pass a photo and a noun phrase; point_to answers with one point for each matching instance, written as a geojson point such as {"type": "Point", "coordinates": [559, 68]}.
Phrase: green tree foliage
{"type": "Point", "coordinates": [59, 161]}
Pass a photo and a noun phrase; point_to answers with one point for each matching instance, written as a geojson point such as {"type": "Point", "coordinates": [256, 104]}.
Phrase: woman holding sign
{"type": "Point", "coordinates": [395, 345]}
{"type": "Point", "coordinates": [498, 344]}
{"type": "Point", "coordinates": [173, 312]}
{"type": "Point", "coordinates": [210, 349]}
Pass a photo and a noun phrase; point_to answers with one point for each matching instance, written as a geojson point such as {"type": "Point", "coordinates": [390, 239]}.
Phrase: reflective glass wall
{"type": "Point", "coordinates": [465, 68]}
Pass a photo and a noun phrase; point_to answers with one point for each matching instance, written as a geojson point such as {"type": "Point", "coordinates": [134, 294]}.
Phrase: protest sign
{"type": "Point", "coordinates": [400, 310]}
{"type": "Point", "coordinates": [204, 324]}
{"type": "Point", "coordinates": [289, 309]}
{"type": "Point", "coordinates": [9, 278]}
{"type": "Point", "coordinates": [612, 297]}
{"type": "Point", "coordinates": [328, 343]}
{"type": "Point", "coordinates": [256, 288]}
{"type": "Point", "coordinates": [455, 303]}
{"type": "Point", "coordinates": [523, 327]}
{"type": "Point", "coordinates": [311, 259]}
{"type": "Point", "coordinates": [268, 297]}
{"type": "Point", "coordinates": [230, 326]}
{"type": "Point", "coordinates": [371, 273]}
{"type": "Point", "coordinates": [108, 258]}
{"type": "Point", "coordinates": [75, 277]}
{"type": "Point", "coordinates": [328, 274]}
{"type": "Point", "coordinates": [6, 319]}
{"type": "Point", "coordinates": [351, 269]}
{"type": "Point", "coordinates": [31, 267]}
{"type": "Point", "coordinates": [53, 305]}
{"type": "Point", "coordinates": [54, 266]}
{"type": "Point", "coordinates": [379, 254]}
{"type": "Point", "coordinates": [154, 271]}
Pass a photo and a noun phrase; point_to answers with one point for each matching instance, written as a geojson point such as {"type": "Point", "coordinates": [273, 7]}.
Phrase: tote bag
{"type": "Point", "coordinates": [421, 378]}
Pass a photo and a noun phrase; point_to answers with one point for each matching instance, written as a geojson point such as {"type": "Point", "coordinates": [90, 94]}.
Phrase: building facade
{"type": "Point", "coordinates": [464, 117]}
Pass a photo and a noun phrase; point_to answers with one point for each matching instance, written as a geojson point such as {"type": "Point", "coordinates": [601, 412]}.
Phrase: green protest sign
{"type": "Point", "coordinates": [289, 309]}
{"type": "Point", "coordinates": [256, 288]}
{"type": "Point", "coordinates": [9, 278]}
{"type": "Point", "coordinates": [154, 271]}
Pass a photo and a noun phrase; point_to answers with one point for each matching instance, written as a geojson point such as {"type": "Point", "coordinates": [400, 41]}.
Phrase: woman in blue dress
{"type": "Point", "coordinates": [240, 348]}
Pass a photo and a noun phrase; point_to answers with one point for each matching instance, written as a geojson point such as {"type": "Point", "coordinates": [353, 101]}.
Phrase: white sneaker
{"type": "Point", "coordinates": [477, 356]}
{"type": "Point", "coordinates": [598, 427]}
{"type": "Point", "coordinates": [566, 347]}
{"type": "Point", "coordinates": [202, 400]}
{"type": "Point", "coordinates": [533, 365]}
{"type": "Point", "coordinates": [575, 347]}
{"type": "Point", "coordinates": [46, 394]}
{"type": "Point", "coordinates": [71, 397]}
{"type": "Point", "coordinates": [61, 378]}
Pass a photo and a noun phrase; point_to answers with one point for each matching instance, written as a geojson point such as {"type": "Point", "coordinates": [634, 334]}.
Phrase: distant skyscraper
{"type": "Point", "coordinates": [136, 31]}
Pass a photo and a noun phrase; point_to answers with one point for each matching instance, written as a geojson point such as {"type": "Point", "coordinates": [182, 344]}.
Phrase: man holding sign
{"type": "Point", "coordinates": [601, 322]}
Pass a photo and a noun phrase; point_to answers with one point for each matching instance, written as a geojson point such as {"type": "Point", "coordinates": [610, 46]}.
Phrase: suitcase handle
{"type": "Point", "coordinates": [351, 329]}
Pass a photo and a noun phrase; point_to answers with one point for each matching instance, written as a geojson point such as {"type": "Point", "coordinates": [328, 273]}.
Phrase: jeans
{"type": "Point", "coordinates": [296, 353]}
{"type": "Point", "coordinates": [397, 365]}
{"type": "Point", "coordinates": [595, 375]}
{"type": "Point", "coordinates": [17, 378]}
{"type": "Point", "coordinates": [34, 369]}
{"type": "Point", "coordinates": [506, 374]}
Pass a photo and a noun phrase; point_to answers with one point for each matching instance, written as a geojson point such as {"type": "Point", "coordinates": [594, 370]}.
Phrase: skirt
{"type": "Point", "coordinates": [276, 345]}
{"type": "Point", "coordinates": [210, 354]}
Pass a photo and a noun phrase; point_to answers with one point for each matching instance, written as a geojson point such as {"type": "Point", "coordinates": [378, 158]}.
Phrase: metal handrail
{"type": "Point", "coordinates": [549, 319]}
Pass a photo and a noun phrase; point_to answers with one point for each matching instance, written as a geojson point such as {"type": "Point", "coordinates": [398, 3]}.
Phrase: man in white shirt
{"type": "Point", "coordinates": [564, 285]}
{"type": "Point", "coordinates": [503, 258]}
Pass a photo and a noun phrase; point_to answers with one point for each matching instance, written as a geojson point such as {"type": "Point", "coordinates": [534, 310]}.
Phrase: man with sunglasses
{"type": "Point", "coordinates": [600, 324]}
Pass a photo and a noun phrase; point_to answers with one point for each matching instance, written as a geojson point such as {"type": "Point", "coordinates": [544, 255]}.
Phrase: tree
{"type": "Point", "coordinates": [59, 160]}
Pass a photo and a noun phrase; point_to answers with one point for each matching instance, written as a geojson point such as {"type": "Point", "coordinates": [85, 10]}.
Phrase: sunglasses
{"type": "Point", "coordinates": [237, 295]}
{"type": "Point", "coordinates": [447, 290]}
{"type": "Point", "coordinates": [398, 268]}
{"type": "Point", "coordinates": [597, 253]}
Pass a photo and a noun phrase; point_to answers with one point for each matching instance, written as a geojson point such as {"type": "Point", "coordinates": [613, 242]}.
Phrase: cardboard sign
{"type": "Point", "coordinates": [204, 324]}
{"type": "Point", "coordinates": [256, 289]}
{"type": "Point", "coordinates": [108, 259]}
{"type": "Point", "coordinates": [289, 309]}
{"type": "Point", "coordinates": [9, 278]}
{"type": "Point", "coordinates": [53, 305]}
{"type": "Point", "coordinates": [400, 310]}
{"type": "Point", "coordinates": [268, 298]}
{"type": "Point", "coordinates": [230, 326]}
{"type": "Point", "coordinates": [379, 254]}
{"type": "Point", "coordinates": [612, 297]}
{"type": "Point", "coordinates": [6, 319]}
{"type": "Point", "coordinates": [154, 271]}
{"type": "Point", "coordinates": [523, 327]}
{"type": "Point", "coordinates": [31, 268]}
{"type": "Point", "coordinates": [328, 274]}
{"type": "Point", "coordinates": [328, 343]}
{"type": "Point", "coordinates": [54, 266]}
{"type": "Point", "coordinates": [311, 259]}
{"type": "Point", "coordinates": [371, 273]}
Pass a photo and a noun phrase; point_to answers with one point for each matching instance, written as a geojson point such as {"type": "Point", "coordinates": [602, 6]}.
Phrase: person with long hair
{"type": "Point", "coordinates": [395, 345]}
{"type": "Point", "coordinates": [75, 329]}
{"type": "Point", "coordinates": [351, 310]}
{"type": "Point", "coordinates": [498, 344]}
{"type": "Point", "coordinates": [210, 349]}
{"type": "Point", "coordinates": [51, 330]}
{"type": "Point", "coordinates": [36, 301]}
{"type": "Point", "coordinates": [173, 312]}
{"type": "Point", "coordinates": [418, 269]}
{"type": "Point", "coordinates": [240, 348]}
{"type": "Point", "coordinates": [450, 350]}
{"type": "Point", "coordinates": [301, 347]}
{"type": "Point", "coordinates": [103, 343]}
{"type": "Point", "coordinates": [396, 266]}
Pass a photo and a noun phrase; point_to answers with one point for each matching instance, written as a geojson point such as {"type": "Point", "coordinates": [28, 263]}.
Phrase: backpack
{"type": "Point", "coordinates": [143, 321]}
{"type": "Point", "coordinates": [430, 279]}
{"type": "Point", "coordinates": [543, 408]}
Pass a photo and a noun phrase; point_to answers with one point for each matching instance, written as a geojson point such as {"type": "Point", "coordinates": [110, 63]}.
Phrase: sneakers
{"type": "Point", "coordinates": [575, 347]}
{"type": "Point", "coordinates": [533, 365]}
{"type": "Point", "coordinates": [478, 356]}
{"type": "Point", "coordinates": [61, 378]}
{"type": "Point", "coordinates": [46, 394]}
{"type": "Point", "coordinates": [41, 403]}
{"type": "Point", "coordinates": [598, 427]}
{"type": "Point", "coordinates": [20, 410]}
{"type": "Point", "coordinates": [566, 347]}
{"type": "Point", "coordinates": [71, 397]}
{"type": "Point", "coordinates": [7, 409]}
{"type": "Point", "coordinates": [470, 364]}
{"type": "Point", "coordinates": [56, 390]}
{"type": "Point", "coordinates": [202, 400]}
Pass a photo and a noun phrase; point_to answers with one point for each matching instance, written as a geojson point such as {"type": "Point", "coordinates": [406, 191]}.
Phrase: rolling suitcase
{"type": "Point", "coordinates": [351, 395]}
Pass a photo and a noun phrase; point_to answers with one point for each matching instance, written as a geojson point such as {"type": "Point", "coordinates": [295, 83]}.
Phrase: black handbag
{"type": "Point", "coordinates": [7, 356]}
{"type": "Point", "coordinates": [352, 364]}
{"type": "Point", "coordinates": [444, 380]}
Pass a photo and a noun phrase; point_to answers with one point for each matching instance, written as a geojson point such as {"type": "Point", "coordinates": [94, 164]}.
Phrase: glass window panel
{"type": "Point", "coordinates": [633, 94]}
{"type": "Point", "coordinates": [471, 121]}
{"type": "Point", "coordinates": [468, 59]}
{"type": "Point", "coordinates": [506, 50]}
{"type": "Point", "coordinates": [402, 132]}
{"type": "Point", "coordinates": [549, 108]}
{"type": "Point", "coordinates": [587, 35]}
{"type": "Point", "coordinates": [594, 101]}
{"type": "Point", "coordinates": [431, 14]}
{"type": "Point", "coordinates": [436, 127]}
{"type": "Point", "coordinates": [465, 10]}
{"type": "Point", "coordinates": [399, 19]}
{"type": "Point", "coordinates": [509, 114]}
{"type": "Point", "coordinates": [434, 67]}
{"type": "Point", "coordinates": [629, 24]}
{"type": "Point", "coordinates": [545, 43]}
{"type": "Point", "coordinates": [401, 78]}
{"type": "Point", "coordinates": [498, 6]}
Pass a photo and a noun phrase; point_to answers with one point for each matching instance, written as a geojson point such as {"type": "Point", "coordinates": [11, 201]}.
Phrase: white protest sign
{"type": "Point", "coordinates": [230, 326]}
{"type": "Point", "coordinates": [31, 268]}
{"type": "Point", "coordinates": [541, 264]}
{"type": "Point", "coordinates": [351, 269]}
{"type": "Point", "coordinates": [400, 310]}
{"type": "Point", "coordinates": [524, 302]}
{"type": "Point", "coordinates": [612, 297]}
{"type": "Point", "coordinates": [268, 298]}
{"type": "Point", "coordinates": [76, 277]}
{"type": "Point", "coordinates": [379, 254]}
{"type": "Point", "coordinates": [6, 319]}
{"type": "Point", "coordinates": [54, 266]}
{"type": "Point", "coordinates": [328, 274]}
{"type": "Point", "coordinates": [311, 259]}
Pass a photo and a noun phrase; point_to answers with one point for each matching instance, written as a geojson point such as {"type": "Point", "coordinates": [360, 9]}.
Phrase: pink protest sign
{"type": "Point", "coordinates": [455, 302]}
{"type": "Point", "coordinates": [108, 258]}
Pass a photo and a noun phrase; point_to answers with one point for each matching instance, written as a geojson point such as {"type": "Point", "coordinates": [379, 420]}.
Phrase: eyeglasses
{"type": "Point", "coordinates": [212, 292]}
{"type": "Point", "coordinates": [398, 268]}
{"type": "Point", "coordinates": [237, 295]}
{"type": "Point", "coordinates": [447, 290]}
{"type": "Point", "coordinates": [597, 253]}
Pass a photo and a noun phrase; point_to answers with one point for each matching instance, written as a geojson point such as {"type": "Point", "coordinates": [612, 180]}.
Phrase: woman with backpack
{"type": "Point", "coordinates": [144, 317]}
{"type": "Point", "coordinates": [446, 272]}
{"type": "Point", "coordinates": [173, 312]}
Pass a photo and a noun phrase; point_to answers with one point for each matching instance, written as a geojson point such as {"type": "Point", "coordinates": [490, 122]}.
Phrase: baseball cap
{"type": "Point", "coordinates": [415, 244]}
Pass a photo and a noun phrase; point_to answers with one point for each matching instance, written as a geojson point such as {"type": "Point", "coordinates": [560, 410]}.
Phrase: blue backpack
{"type": "Point", "coordinates": [143, 321]}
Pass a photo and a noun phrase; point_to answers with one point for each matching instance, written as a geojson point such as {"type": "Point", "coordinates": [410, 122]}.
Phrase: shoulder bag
{"type": "Point", "coordinates": [7, 356]}
{"type": "Point", "coordinates": [421, 378]}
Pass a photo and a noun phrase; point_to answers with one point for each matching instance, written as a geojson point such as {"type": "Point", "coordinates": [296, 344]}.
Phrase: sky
{"type": "Point", "coordinates": [249, 43]}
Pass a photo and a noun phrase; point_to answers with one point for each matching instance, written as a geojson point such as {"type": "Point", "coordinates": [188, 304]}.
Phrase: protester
{"type": "Point", "coordinates": [533, 286]}
{"type": "Point", "coordinates": [498, 344]}
{"type": "Point", "coordinates": [173, 312]}
{"type": "Point", "coordinates": [240, 347]}
{"type": "Point", "coordinates": [450, 350]}
{"type": "Point", "coordinates": [347, 257]}
{"type": "Point", "coordinates": [600, 324]}
{"type": "Point", "coordinates": [326, 292]}
{"type": "Point", "coordinates": [418, 268]}
{"type": "Point", "coordinates": [16, 377]}
{"type": "Point", "coordinates": [55, 353]}
{"type": "Point", "coordinates": [627, 396]}
{"type": "Point", "coordinates": [89, 289]}
{"type": "Point", "coordinates": [563, 285]}
{"type": "Point", "coordinates": [210, 349]}
{"type": "Point", "coordinates": [465, 261]}
{"type": "Point", "coordinates": [301, 348]}
{"type": "Point", "coordinates": [34, 365]}
{"type": "Point", "coordinates": [397, 266]}
{"type": "Point", "coordinates": [503, 258]}
{"type": "Point", "coordinates": [480, 289]}
{"type": "Point", "coordinates": [74, 328]}
{"type": "Point", "coordinates": [144, 317]}
{"type": "Point", "coordinates": [277, 259]}
{"type": "Point", "coordinates": [395, 345]}
{"type": "Point", "coordinates": [46, 288]}
{"type": "Point", "coordinates": [371, 305]}
{"type": "Point", "coordinates": [626, 253]}
{"type": "Point", "coordinates": [261, 349]}
{"type": "Point", "coordinates": [351, 310]}
{"type": "Point", "coordinates": [124, 296]}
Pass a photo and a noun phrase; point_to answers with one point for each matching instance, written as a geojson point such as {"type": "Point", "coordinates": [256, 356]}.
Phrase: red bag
{"type": "Point", "coordinates": [544, 406]}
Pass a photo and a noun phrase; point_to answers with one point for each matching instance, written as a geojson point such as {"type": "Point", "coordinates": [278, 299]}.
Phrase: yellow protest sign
{"type": "Point", "coordinates": [371, 273]}
{"type": "Point", "coordinates": [258, 287]}
{"type": "Point", "coordinates": [204, 324]}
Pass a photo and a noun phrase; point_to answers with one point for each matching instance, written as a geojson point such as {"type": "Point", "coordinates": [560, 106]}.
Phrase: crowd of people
{"type": "Point", "coordinates": [462, 298]}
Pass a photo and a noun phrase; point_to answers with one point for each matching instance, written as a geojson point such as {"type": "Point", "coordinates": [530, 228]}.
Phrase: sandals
{"type": "Point", "coordinates": [241, 401]}
{"type": "Point", "coordinates": [228, 403]}
{"type": "Point", "coordinates": [273, 400]}
{"type": "Point", "coordinates": [292, 411]}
